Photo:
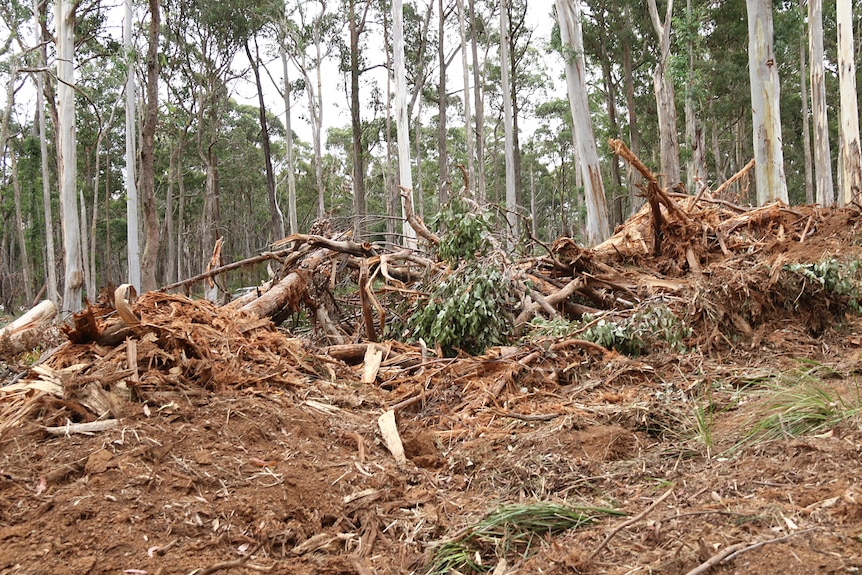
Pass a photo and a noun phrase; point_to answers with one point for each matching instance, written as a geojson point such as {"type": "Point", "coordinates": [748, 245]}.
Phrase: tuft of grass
{"type": "Point", "coordinates": [798, 404]}
{"type": "Point", "coordinates": [508, 530]}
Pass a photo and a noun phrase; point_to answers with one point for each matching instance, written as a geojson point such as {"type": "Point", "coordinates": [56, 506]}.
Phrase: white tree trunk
{"type": "Point", "coordinates": [763, 73]}
{"type": "Point", "coordinates": [288, 142]}
{"type": "Point", "coordinates": [46, 173]}
{"type": "Point", "coordinates": [822, 153]}
{"type": "Point", "coordinates": [508, 124]}
{"type": "Point", "coordinates": [131, 187]}
{"type": "Point", "coordinates": [664, 97]}
{"type": "Point", "coordinates": [806, 126]}
{"type": "Point", "coordinates": [74, 280]}
{"type": "Point", "coordinates": [401, 119]}
{"type": "Point", "coordinates": [851, 183]}
{"type": "Point", "coordinates": [584, 141]}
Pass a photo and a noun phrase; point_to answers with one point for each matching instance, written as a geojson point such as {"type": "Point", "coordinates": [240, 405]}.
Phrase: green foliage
{"type": "Point", "coordinates": [466, 311]}
{"type": "Point", "coordinates": [834, 277]}
{"type": "Point", "coordinates": [798, 403]}
{"type": "Point", "coordinates": [510, 529]}
{"type": "Point", "coordinates": [465, 233]}
{"type": "Point", "coordinates": [636, 334]}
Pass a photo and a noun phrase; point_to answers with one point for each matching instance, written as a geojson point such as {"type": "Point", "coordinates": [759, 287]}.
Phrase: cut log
{"type": "Point", "coordinates": [43, 312]}
{"type": "Point", "coordinates": [289, 292]}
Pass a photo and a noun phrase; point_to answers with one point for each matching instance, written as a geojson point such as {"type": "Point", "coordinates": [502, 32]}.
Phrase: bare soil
{"type": "Point", "coordinates": [289, 474]}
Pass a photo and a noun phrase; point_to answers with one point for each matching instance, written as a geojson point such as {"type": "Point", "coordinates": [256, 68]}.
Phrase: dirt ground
{"type": "Point", "coordinates": [290, 474]}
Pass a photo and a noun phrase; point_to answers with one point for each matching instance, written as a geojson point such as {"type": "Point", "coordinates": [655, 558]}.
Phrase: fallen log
{"type": "Point", "coordinates": [41, 313]}
{"type": "Point", "coordinates": [289, 292]}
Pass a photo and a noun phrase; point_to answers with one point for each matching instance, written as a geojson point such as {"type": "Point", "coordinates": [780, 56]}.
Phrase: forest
{"type": "Point", "coordinates": [201, 102]}
{"type": "Point", "coordinates": [430, 287]}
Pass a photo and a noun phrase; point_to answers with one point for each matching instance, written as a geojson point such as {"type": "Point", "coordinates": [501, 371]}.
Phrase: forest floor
{"type": "Point", "coordinates": [247, 473]}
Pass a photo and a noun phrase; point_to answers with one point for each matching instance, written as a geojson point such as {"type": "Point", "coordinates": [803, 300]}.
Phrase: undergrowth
{"type": "Point", "coordinates": [633, 334]}
{"type": "Point", "coordinates": [511, 529]}
{"type": "Point", "coordinates": [798, 403]}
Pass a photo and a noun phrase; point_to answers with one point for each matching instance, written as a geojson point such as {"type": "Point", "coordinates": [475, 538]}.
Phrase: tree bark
{"type": "Point", "coordinates": [356, 29]}
{"type": "Point", "coordinates": [806, 127]}
{"type": "Point", "coordinates": [53, 295]}
{"type": "Point", "coordinates": [850, 149]}
{"type": "Point", "coordinates": [443, 183]}
{"type": "Point", "coordinates": [766, 116]}
{"type": "Point", "coordinates": [19, 221]}
{"type": "Point", "coordinates": [132, 237]}
{"type": "Point", "coordinates": [288, 144]}
{"type": "Point", "coordinates": [74, 278]}
{"type": "Point", "coordinates": [664, 96]}
{"type": "Point", "coordinates": [508, 125]}
{"type": "Point", "coordinates": [148, 133]}
{"type": "Point", "coordinates": [468, 114]}
{"type": "Point", "coordinates": [582, 132]}
{"type": "Point", "coordinates": [822, 153]}
{"type": "Point", "coordinates": [481, 192]}
{"type": "Point", "coordinates": [401, 119]}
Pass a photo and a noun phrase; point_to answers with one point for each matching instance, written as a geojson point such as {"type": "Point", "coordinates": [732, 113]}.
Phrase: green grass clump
{"type": "Point", "coordinates": [508, 530]}
{"type": "Point", "coordinates": [798, 404]}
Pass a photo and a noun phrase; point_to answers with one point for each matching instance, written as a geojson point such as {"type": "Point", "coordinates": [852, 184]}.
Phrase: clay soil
{"type": "Point", "coordinates": [288, 473]}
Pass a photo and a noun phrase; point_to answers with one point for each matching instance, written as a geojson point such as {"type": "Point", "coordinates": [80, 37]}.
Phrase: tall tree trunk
{"type": "Point", "coordinates": [401, 119]}
{"type": "Point", "coordinates": [569, 15]}
{"type": "Point", "coordinates": [806, 127]}
{"type": "Point", "coordinates": [850, 150]}
{"type": "Point", "coordinates": [316, 111]}
{"type": "Point", "coordinates": [276, 218]}
{"type": "Point", "coordinates": [765, 99]}
{"type": "Point", "coordinates": [132, 241]}
{"type": "Point", "coordinates": [632, 176]}
{"type": "Point", "coordinates": [508, 127]}
{"type": "Point", "coordinates": [481, 191]}
{"type": "Point", "coordinates": [822, 153]}
{"type": "Point", "coordinates": [393, 198]}
{"type": "Point", "coordinates": [516, 108]}
{"type": "Point", "coordinates": [443, 182]}
{"type": "Point", "coordinates": [148, 134]}
{"type": "Point", "coordinates": [664, 96]}
{"type": "Point", "coordinates": [468, 113]}
{"type": "Point", "coordinates": [696, 169]}
{"type": "Point", "coordinates": [288, 144]}
{"type": "Point", "coordinates": [356, 29]}
{"type": "Point", "coordinates": [53, 295]}
{"type": "Point", "coordinates": [74, 280]}
{"type": "Point", "coordinates": [19, 223]}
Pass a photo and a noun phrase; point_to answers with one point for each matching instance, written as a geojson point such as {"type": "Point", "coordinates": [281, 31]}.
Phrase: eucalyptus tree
{"type": "Point", "coordinates": [356, 23]}
{"type": "Point", "coordinates": [74, 277]}
{"type": "Point", "coordinates": [822, 154]}
{"type": "Point", "coordinates": [508, 123]}
{"type": "Point", "coordinates": [851, 160]}
{"type": "Point", "coordinates": [770, 179]}
{"type": "Point", "coordinates": [148, 133]}
{"type": "Point", "coordinates": [664, 94]}
{"type": "Point", "coordinates": [208, 34]}
{"type": "Point", "coordinates": [401, 118]}
{"type": "Point", "coordinates": [568, 13]}
{"type": "Point", "coordinates": [312, 36]}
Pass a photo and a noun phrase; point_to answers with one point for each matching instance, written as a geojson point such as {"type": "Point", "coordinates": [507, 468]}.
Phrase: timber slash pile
{"type": "Point", "coordinates": [682, 398]}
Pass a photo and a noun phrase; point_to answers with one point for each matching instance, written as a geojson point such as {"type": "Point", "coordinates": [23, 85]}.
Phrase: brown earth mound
{"type": "Point", "coordinates": [218, 443]}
